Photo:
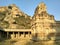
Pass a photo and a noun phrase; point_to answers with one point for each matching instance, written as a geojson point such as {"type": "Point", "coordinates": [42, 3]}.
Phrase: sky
{"type": "Point", "coordinates": [29, 6]}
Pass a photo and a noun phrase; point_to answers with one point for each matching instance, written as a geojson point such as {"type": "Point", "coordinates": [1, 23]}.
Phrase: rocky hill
{"type": "Point", "coordinates": [12, 17]}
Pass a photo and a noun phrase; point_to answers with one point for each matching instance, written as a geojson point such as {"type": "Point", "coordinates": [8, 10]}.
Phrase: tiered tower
{"type": "Point", "coordinates": [42, 24]}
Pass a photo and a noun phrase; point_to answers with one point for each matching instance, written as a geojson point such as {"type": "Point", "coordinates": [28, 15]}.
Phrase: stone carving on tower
{"type": "Point", "coordinates": [40, 8]}
{"type": "Point", "coordinates": [42, 23]}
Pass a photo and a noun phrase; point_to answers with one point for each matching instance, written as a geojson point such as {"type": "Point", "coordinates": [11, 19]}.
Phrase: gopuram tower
{"type": "Point", "coordinates": [43, 23]}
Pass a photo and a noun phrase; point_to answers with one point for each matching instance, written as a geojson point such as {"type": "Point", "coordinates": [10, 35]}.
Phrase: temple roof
{"type": "Point", "coordinates": [14, 30]}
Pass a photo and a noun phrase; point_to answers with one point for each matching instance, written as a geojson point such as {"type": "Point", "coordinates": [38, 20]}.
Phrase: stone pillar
{"type": "Point", "coordinates": [18, 35]}
{"type": "Point", "coordinates": [28, 34]}
{"type": "Point", "coordinates": [7, 35]}
{"type": "Point", "coordinates": [0, 34]}
{"type": "Point", "coordinates": [12, 36]}
{"type": "Point", "coordinates": [24, 34]}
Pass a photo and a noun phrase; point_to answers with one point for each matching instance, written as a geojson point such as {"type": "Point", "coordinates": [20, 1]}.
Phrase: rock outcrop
{"type": "Point", "coordinates": [12, 17]}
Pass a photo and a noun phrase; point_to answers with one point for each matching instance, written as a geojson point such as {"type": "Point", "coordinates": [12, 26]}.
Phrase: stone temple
{"type": "Point", "coordinates": [43, 26]}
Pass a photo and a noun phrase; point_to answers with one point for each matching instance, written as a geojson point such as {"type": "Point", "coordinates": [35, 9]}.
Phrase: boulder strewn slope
{"type": "Point", "coordinates": [12, 17]}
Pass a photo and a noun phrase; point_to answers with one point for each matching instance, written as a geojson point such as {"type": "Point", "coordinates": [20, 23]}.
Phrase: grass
{"type": "Point", "coordinates": [7, 42]}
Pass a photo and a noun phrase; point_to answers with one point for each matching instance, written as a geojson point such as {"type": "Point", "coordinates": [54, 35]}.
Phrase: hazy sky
{"type": "Point", "coordinates": [28, 6]}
